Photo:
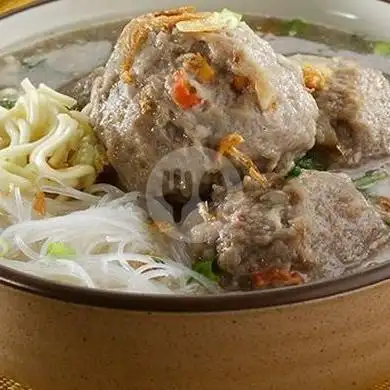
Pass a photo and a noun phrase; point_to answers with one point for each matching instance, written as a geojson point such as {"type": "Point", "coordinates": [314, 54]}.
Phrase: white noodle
{"type": "Point", "coordinates": [25, 249]}
{"type": "Point", "coordinates": [70, 192]}
{"type": "Point", "coordinates": [105, 189]}
{"type": "Point", "coordinates": [113, 244]}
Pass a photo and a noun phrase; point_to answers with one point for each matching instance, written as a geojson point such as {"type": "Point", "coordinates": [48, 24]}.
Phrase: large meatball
{"type": "Point", "coordinates": [181, 78]}
{"type": "Point", "coordinates": [318, 223]}
{"type": "Point", "coordinates": [354, 105]}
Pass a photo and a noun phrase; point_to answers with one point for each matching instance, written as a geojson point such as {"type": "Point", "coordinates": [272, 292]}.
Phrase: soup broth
{"type": "Point", "coordinates": [303, 194]}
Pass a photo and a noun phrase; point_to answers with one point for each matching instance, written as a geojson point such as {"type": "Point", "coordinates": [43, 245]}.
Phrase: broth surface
{"type": "Point", "coordinates": [69, 56]}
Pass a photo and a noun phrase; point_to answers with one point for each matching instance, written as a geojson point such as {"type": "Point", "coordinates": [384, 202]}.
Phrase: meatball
{"type": "Point", "coordinates": [317, 223]}
{"type": "Point", "coordinates": [181, 78]}
{"type": "Point", "coordinates": [354, 105]}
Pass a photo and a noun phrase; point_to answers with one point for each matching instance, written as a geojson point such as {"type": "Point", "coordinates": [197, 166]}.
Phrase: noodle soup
{"type": "Point", "coordinates": [195, 153]}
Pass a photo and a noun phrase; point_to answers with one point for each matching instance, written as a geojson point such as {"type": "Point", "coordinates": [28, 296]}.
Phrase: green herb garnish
{"type": "Point", "coordinates": [310, 162]}
{"type": "Point", "coordinates": [60, 249]}
{"type": "Point", "coordinates": [370, 179]}
{"type": "Point", "coordinates": [294, 27]}
{"type": "Point", "coordinates": [382, 48]}
{"type": "Point", "coordinates": [158, 260]}
{"type": "Point", "coordinates": [205, 268]}
{"type": "Point", "coordinates": [7, 103]}
{"type": "Point", "coordinates": [295, 172]}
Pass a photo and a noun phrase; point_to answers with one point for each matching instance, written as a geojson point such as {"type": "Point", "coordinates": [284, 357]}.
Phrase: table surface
{"type": "Point", "coordinates": [8, 5]}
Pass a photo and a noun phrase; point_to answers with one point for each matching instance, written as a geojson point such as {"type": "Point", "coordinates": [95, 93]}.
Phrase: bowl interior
{"type": "Point", "coordinates": [366, 17]}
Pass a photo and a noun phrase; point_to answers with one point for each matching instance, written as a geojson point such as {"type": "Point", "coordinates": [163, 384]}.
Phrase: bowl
{"type": "Point", "coordinates": [324, 336]}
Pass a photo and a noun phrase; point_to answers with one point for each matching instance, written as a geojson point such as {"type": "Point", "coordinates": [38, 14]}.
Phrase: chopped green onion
{"type": "Point", "coordinates": [295, 172]}
{"type": "Point", "coordinates": [60, 249]}
{"type": "Point", "coordinates": [205, 268]}
{"type": "Point", "coordinates": [7, 103]}
{"type": "Point", "coordinates": [294, 27]}
{"type": "Point", "coordinates": [382, 48]}
{"type": "Point", "coordinates": [310, 162]}
{"type": "Point", "coordinates": [370, 179]}
{"type": "Point", "coordinates": [158, 260]}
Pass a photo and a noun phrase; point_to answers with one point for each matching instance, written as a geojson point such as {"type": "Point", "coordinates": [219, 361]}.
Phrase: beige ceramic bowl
{"type": "Point", "coordinates": [329, 336]}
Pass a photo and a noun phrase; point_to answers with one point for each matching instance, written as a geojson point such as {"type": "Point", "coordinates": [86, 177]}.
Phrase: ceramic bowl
{"type": "Point", "coordinates": [327, 336]}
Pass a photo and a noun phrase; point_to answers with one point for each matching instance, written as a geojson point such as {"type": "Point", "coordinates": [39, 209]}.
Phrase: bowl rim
{"type": "Point", "coordinates": [190, 304]}
{"type": "Point", "coordinates": [234, 301]}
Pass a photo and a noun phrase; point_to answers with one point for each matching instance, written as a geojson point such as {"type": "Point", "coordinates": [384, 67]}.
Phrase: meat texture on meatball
{"type": "Point", "coordinates": [318, 224]}
{"type": "Point", "coordinates": [183, 78]}
{"type": "Point", "coordinates": [354, 104]}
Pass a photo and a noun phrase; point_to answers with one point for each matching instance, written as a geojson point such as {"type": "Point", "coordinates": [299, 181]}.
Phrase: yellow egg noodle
{"type": "Point", "coordinates": [42, 137]}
